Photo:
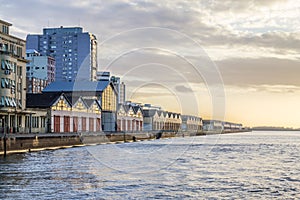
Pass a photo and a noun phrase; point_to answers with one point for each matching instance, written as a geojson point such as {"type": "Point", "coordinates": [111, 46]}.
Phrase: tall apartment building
{"type": "Point", "coordinates": [13, 81]}
{"type": "Point", "coordinates": [75, 52]}
{"type": "Point", "coordinates": [40, 71]}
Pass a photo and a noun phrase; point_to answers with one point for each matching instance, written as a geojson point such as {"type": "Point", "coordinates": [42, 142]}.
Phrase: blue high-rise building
{"type": "Point", "coordinates": [75, 52]}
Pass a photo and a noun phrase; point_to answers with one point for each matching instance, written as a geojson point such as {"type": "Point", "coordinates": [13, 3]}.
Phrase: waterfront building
{"type": "Point", "coordinates": [103, 91]}
{"type": "Point", "coordinates": [232, 127]}
{"type": "Point", "coordinates": [57, 113]}
{"type": "Point", "coordinates": [116, 81]}
{"type": "Point", "coordinates": [75, 52]}
{"type": "Point", "coordinates": [213, 126]}
{"type": "Point", "coordinates": [172, 122]}
{"type": "Point", "coordinates": [217, 126]}
{"type": "Point", "coordinates": [156, 119]}
{"type": "Point", "coordinates": [191, 123]}
{"type": "Point", "coordinates": [160, 120]}
{"type": "Point", "coordinates": [151, 118]}
{"type": "Point", "coordinates": [40, 71]}
{"type": "Point", "coordinates": [130, 118]}
{"type": "Point", "coordinates": [13, 81]}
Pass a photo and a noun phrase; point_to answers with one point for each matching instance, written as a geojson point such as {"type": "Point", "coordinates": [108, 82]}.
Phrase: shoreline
{"type": "Point", "coordinates": [24, 143]}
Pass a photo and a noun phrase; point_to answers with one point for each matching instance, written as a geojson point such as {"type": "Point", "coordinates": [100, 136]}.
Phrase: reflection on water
{"type": "Point", "coordinates": [232, 166]}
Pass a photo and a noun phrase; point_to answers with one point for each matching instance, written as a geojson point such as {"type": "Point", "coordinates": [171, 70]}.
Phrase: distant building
{"type": "Point", "coordinates": [75, 52]}
{"type": "Point", "coordinates": [191, 124]}
{"type": "Point", "coordinates": [103, 76]}
{"type": "Point", "coordinates": [120, 87]}
{"type": "Point", "coordinates": [40, 71]}
{"type": "Point", "coordinates": [13, 81]}
{"type": "Point", "coordinates": [213, 126]}
{"type": "Point", "coordinates": [35, 85]}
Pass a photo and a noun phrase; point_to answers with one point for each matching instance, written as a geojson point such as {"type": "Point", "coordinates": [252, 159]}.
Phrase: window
{"type": "Point", "coordinates": [66, 124]}
{"type": "Point", "coordinates": [5, 29]}
{"type": "Point", "coordinates": [98, 124]}
{"type": "Point", "coordinates": [83, 124]}
{"type": "Point", "coordinates": [91, 124]}
{"type": "Point", "coordinates": [35, 122]}
{"type": "Point", "coordinates": [75, 124]}
{"type": "Point", "coordinates": [19, 70]}
{"type": "Point", "coordinates": [43, 122]}
{"type": "Point", "coordinates": [56, 124]}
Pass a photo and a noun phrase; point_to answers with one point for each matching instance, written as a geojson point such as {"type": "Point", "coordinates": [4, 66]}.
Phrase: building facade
{"type": "Point", "coordinates": [13, 80]}
{"type": "Point", "coordinates": [130, 118]}
{"type": "Point", "coordinates": [60, 113]}
{"type": "Point", "coordinates": [40, 71]}
{"type": "Point", "coordinates": [75, 52]}
{"type": "Point", "coordinates": [102, 91]}
{"type": "Point", "coordinates": [191, 124]}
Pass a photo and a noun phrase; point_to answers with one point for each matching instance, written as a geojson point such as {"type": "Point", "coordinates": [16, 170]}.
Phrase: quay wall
{"type": "Point", "coordinates": [18, 143]}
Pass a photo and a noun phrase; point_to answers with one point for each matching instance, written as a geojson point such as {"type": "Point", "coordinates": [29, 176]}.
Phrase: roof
{"type": "Point", "coordinates": [71, 98]}
{"type": "Point", "coordinates": [89, 102]}
{"type": "Point", "coordinates": [76, 86]}
{"type": "Point", "coordinates": [41, 100]}
{"type": "Point", "coordinates": [136, 108]}
{"type": "Point", "coordinates": [32, 51]}
{"type": "Point", "coordinates": [6, 23]}
{"type": "Point", "coordinates": [46, 100]}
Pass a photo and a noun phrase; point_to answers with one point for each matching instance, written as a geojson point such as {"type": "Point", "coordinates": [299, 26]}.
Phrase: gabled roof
{"type": "Point", "coordinates": [136, 109]}
{"type": "Point", "coordinates": [89, 102]}
{"type": "Point", "coordinates": [126, 108]}
{"type": "Point", "coordinates": [41, 100]}
{"type": "Point", "coordinates": [72, 98]}
{"type": "Point", "coordinates": [77, 86]}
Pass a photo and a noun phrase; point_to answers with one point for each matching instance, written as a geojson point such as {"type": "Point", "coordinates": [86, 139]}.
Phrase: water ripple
{"type": "Point", "coordinates": [258, 165]}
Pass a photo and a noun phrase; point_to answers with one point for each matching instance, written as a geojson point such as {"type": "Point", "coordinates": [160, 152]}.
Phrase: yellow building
{"type": "Point", "coordinates": [13, 80]}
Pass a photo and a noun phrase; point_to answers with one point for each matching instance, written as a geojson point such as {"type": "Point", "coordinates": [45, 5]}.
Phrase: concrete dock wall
{"type": "Point", "coordinates": [17, 143]}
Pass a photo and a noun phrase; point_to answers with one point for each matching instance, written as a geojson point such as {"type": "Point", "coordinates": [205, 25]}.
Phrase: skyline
{"type": "Point", "coordinates": [257, 55]}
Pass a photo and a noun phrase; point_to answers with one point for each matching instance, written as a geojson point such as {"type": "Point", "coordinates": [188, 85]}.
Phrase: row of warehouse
{"type": "Point", "coordinates": [92, 107]}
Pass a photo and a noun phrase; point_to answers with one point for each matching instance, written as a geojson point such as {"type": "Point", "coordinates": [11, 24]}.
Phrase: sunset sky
{"type": "Point", "coordinates": [232, 60]}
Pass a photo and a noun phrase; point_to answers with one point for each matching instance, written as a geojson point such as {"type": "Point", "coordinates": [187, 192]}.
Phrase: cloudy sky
{"type": "Point", "coordinates": [237, 60]}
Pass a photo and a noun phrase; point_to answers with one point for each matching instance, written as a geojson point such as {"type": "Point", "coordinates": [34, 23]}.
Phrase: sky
{"type": "Point", "coordinates": [233, 60]}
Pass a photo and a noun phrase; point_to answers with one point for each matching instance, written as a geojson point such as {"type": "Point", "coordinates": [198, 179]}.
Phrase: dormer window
{"type": "Point", "coordinates": [5, 29]}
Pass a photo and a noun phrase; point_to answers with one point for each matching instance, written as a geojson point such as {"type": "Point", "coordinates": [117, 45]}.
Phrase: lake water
{"type": "Point", "coordinates": [255, 165]}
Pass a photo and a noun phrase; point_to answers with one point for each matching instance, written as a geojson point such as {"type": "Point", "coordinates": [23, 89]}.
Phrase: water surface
{"type": "Point", "coordinates": [257, 165]}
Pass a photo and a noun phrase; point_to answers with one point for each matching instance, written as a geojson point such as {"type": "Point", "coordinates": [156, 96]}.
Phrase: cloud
{"type": "Point", "coordinates": [183, 89]}
{"type": "Point", "coordinates": [262, 71]}
{"type": "Point", "coordinates": [223, 29]}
